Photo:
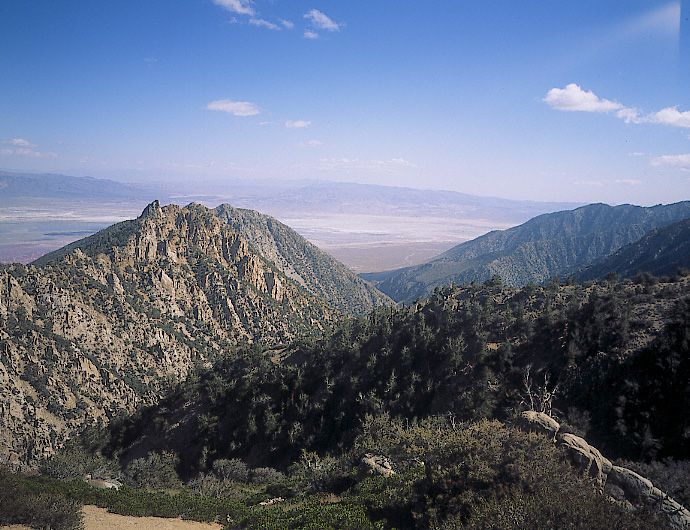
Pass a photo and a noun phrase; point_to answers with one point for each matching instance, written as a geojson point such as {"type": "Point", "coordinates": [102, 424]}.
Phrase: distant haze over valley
{"type": "Point", "coordinates": [368, 227]}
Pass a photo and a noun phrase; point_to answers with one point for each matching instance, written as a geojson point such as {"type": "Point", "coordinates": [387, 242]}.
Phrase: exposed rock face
{"type": "Point", "coordinates": [540, 422]}
{"type": "Point", "coordinates": [621, 484]}
{"type": "Point", "coordinates": [111, 321]}
{"type": "Point", "coordinates": [376, 465]}
{"type": "Point", "coordinates": [305, 263]}
{"type": "Point", "coordinates": [585, 456]}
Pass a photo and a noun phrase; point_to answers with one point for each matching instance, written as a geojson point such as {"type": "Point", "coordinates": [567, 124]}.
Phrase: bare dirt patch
{"type": "Point", "coordinates": [96, 518]}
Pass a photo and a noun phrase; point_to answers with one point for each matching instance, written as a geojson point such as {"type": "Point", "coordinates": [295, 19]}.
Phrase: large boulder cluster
{"type": "Point", "coordinates": [620, 484]}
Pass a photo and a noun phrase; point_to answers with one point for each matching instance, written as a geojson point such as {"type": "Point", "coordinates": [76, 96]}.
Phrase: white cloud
{"type": "Point", "coordinates": [573, 99]}
{"type": "Point", "coordinates": [287, 23]}
{"type": "Point", "coordinates": [629, 182]}
{"type": "Point", "coordinates": [23, 147]}
{"type": "Point", "coordinates": [241, 7]}
{"type": "Point", "coordinates": [322, 21]}
{"type": "Point", "coordinates": [261, 23]}
{"type": "Point", "coordinates": [236, 108]}
{"type": "Point", "coordinates": [630, 115]}
{"type": "Point", "coordinates": [311, 35]}
{"type": "Point", "coordinates": [297, 124]}
{"type": "Point", "coordinates": [312, 143]}
{"type": "Point", "coordinates": [671, 116]}
{"type": "Point", "coordinates": [682, 161]}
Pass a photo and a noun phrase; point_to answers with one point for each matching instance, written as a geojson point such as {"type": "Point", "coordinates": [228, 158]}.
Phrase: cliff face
{"type": "Point", "coordinates": [111, 321]}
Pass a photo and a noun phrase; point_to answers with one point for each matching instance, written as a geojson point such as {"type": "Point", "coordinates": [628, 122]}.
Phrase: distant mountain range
{"type": "Point", "coordinates": [356, 198]}
{"type": "Point", "coordinates": [368, 227]}
{"type": "Point", "coordinates": [556, 244]}
{"type": "Point", "coordinates": [108, 322]}
{"type": "Point", "coordinates": [54, 186]}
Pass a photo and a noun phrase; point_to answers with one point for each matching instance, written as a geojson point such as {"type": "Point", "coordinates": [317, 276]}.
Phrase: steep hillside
{"type": "Point", "coordinates": [302, 261]}
{"type": "Point", "coordinates": [112, 320]}
{"type": "Point", "coordinates": [549, 245]}
{"type": "Point", "coordinates": [610, 359]}
{"type": "Point", "coordinates": [482, 407]}
{"type": "Point", "coordinates": [661, 252]}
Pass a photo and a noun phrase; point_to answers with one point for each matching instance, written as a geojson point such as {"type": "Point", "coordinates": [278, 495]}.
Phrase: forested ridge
{"type": "Point", "coordinates": [609, 359]}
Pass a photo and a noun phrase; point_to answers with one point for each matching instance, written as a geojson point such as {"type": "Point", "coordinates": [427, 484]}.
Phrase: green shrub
{"type": "Point", "coordinates": [210, 485]}
{"type": "Point", "coordinates": [77, 462]}
{"type": "Point", "coordinates": [482, 475]}
{"type": "Point", "coordinates": [313, 473]}
{"type": "Point", "coordinates": [234, 470]}
{"type": "Point", "coordinates": [21, 504]}
{"type": "Point", "coordinates": [155, 470]}
{"type": "Point", "coordinates": [266, 475]}
{"type": "Point", "coordinates": [312, 515]}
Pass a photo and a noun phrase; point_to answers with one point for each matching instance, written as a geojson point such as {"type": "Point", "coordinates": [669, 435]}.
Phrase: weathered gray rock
{"type": "Point", "coordinates": [539, 422]}
{"type": "Point", "coordinates": [271, 502]}
{"type": "Point", "coordinates": [588, 458]}
{"type": "Point", "coordinates": [623, 486]}
{"type": "Point", "coordinates": [103, 483]}
{"type": "Point", "coordinates": [640, 491]}
{"type": "Point", "coordinates": [376, 465]}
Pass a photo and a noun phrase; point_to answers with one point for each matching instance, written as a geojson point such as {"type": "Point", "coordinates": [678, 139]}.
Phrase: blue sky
{"type": "Point", "coordinates": [546, 100]}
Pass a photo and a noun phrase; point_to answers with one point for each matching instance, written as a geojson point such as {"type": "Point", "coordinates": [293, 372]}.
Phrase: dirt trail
{"type": "Point", "coordinates": [100, 519]}
{"type": "Point", "coordinates": [96, 518]}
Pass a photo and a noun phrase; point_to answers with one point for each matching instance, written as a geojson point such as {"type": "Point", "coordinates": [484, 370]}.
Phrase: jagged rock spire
{"type": "Point", "coordinates": [152, 211]}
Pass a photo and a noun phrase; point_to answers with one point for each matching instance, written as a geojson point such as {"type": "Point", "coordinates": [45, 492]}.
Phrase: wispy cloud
{"type": "Point", "coordinates": [680, 161]}
{"type": "Point", "coordinates": [604, 183]}
{"type": "Point", "coordinates": [261, 23]}
{"type": "Point", "coordinates": [23, 147]}
{"type": "Point", "coordinates": [662, 19]}
{"type": "Point", "coordinates": [287, 24]}
{"type": "Point", "coordinates": [590, 183]}
{"type": "Point", "coordinates": [236, 108]}
{"type": "Point", "coordinates": [311, 35]}
{"type": "Point", "coordinates": [297, 124]}
{"type": "Point", "coordinates": [20, 142]}
{"type": "Point", "coordinates": [336, 164]}
{"type": "Point", "coordinates": [629, 182]}
{"type": "Point", "coordinates": [312, 143]}
{"type": "Point", "coordinates": [573, 98]}
{"type": "Point", "coordinates": [241, 7]}
{"type": "Point", "coordinates": [321, 20]}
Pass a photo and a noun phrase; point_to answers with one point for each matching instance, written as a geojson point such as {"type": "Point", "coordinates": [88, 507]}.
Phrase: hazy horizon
{"type": "Point", "coordinates": [559, 103]}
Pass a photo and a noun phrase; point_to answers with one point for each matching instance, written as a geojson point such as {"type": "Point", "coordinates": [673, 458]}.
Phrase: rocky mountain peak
{"type": "Point", "coordinates": [152, 211]}
{"type": "Point", "coordinates": [109, 322]}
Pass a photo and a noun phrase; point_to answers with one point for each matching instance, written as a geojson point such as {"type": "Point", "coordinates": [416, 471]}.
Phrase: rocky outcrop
{"type": "Point", "coordinates": [586, 457]}
{"type": "Point", "coordinates": [110, 322]}
{"type": "Point", "coordinates": [539, 422]}
{"type": "Point", "coordinates": [303, 262]}
{"type": "Point", "coordinates": [103, 483]}
{"type": "Point", "coordinates": [622, 485]}
{"type": "Point", "coordinates": [376, 465]}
